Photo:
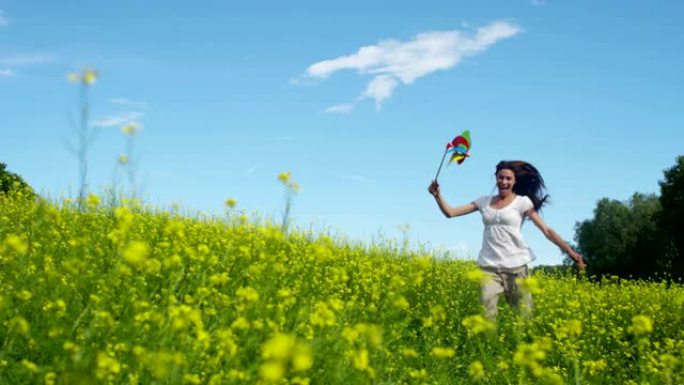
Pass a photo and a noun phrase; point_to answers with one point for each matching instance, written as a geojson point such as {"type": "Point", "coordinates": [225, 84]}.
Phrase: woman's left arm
{"type": "Point", "coordinates": [555, 238]}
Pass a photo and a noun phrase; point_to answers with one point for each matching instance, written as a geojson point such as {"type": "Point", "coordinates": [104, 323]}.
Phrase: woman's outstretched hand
{"type": "Point", "coordinates": [579, 261]}
{"type": "Point", "coordinates": [581, 266]}
{"type": "Point", "coordinates": [433, 189]}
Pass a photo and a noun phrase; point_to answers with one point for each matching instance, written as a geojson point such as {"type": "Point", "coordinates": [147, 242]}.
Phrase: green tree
{"type": "Point", "coordinates": [672, 217]}
{"type": "Point", "coordinates": [10, 181]}
{"type": "Point", "coordinates": [623, 238]}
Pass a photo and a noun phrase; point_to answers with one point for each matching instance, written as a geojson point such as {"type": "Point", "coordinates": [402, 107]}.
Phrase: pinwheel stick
{"type": "Point", "coordinates": [441, 163]}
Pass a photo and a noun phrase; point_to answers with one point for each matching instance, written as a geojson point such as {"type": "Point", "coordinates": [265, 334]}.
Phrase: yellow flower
{"type": "Point", "coordinates": [300, 381]}
{"type": "Point", "coordinates": [248, 294]}
{"type": "Point", "coordinates": [439, 352]}
{"type": "Point", "coordinates": [476, 371]}
{"type": "Point", "coordinates": [70, 347]}
{"type": "Point", "coordinates": [159, 363]}
{"type": "Point", "coordinates": [438, 313]}
{"type": "Point", "coordinates": [93, 201]}
{"type": "Point", "coordinates": [89, 76]}
{"type": "Point", "coordinates": [131, 128]}
{"type": "Point", "coordinates": [322, 315]}
{"type": "Point", "coordinates": [106, 365]}
{"type": "Point", "coordinates": [219, 279]}
{"type": "Point", "coordinates": [302, 358]}
{"type": "Point", "coordinates": [240, 323]}
{"type": "Point", "coordinates": [477, 324]}
{"type": "Point", "coordinates": [360, 359]}
{"type": "Point", "coordinates": [530, 355]}
{"type": "Point", "coordinates": [284, 177]}
{"type": "Point", "coordinates": [418, 374]}
{"type": "Point", "coordinates": [24, 295]}
{"type": "Point", "coordinates": [50, 378]}
{"type": "Point", "coordinates": [231, 202]}
{"type": "Point", "coordinates": [285, 348]}
{"type": "Point", "coordinates": [595, 366]}
{"type": "Point", "coordinates": [641, 324]}
{"type": "Point", "coordinates": [272, 371]}
{"type": "Point", "coordinates": [123, 159]}
{"type": "Point", "coordinates": [19, 325]}
{"type": "Point", "coordinates": [571, 328]}
{"type": "Point", "coordinates": [278, 347]}
{"type": "Point", "coordinates": [476, 275]}
{"type": "Point", "coordinates": [668, 361]}
{"type": "Point", "coordinates": [30, 366]}
{"type": "Point", "coordinates": [136, 253]}
{"type": "Point", "coordinates": [193, 379]}
{"type": "Point", "coordinates": [14, 244]}
{"type": "Point", "coordinates": [529, 285]}
{"type": "Point", "coordinates": [184, 315]}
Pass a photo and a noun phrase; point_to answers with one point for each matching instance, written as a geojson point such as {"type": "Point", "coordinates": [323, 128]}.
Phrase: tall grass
{"type": "Point", "coordinates": [128, 295]}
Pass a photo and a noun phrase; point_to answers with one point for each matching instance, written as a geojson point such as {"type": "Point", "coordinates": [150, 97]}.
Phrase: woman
{"type": "Point", "coordinates": [504, 255]}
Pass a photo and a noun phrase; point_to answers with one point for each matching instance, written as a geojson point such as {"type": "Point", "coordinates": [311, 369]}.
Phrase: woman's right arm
{"type": "Point", "coordinates": [447, 210]}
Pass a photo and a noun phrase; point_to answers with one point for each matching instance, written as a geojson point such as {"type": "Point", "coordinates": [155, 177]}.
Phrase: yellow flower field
{"type": "Point", "coordinates": [129, 295]}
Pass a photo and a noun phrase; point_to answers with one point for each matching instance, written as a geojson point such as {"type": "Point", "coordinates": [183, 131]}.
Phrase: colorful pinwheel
{"type": "Point", "coordinates": [460, 149]}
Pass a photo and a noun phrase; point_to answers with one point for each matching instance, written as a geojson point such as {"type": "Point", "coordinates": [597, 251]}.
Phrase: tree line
{"type": "Point", "coordinates": [10, 181]}
{"type": "Point", "coordinates": [642, 237]}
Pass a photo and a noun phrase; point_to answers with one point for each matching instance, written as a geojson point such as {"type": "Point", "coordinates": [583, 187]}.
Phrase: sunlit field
{"type": "Point", "coordinates": [133, 295]}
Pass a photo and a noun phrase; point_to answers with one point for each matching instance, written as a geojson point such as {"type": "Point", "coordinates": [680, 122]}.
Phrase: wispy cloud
{"type": "Point", "coordinates": [20, 60]}
{"type": "Point", "coordinates": [117, 120]}
{"type": "Point", "coordinates": [124, 117]}
{"type": "Point", "coordinates": [129, 103]}
{"type": "Point", "coordinates": [393, 62]}
{"type": "Point", "coordinates": [25, 59]}
{"type": "Point", "coordinates": [358, 179]}
{"type": "Point", "coordinates": [339, 109]}
{"type": "Point", "coordinates": [250, 171]}
{"type": "Point", "coordinates": [3, 19]}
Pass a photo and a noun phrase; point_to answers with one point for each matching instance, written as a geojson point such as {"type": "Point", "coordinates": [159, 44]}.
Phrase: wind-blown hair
{"type": "Point", "coordinates": [528, 181]}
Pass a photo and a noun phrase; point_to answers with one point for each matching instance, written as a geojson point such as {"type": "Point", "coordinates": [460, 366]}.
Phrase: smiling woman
{"type": "Point", "coordinates": [504, 256]}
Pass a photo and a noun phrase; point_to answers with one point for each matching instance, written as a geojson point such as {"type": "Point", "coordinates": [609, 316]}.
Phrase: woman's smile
{"type": "Point", "coordinates": [505, 180]}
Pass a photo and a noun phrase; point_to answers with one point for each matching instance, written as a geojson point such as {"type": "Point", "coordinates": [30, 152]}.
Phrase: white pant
{"type": "Point", "coordinates": [502, 280]}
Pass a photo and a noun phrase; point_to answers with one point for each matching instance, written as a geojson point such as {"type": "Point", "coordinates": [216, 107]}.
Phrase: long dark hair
{"type": "Point", "coordinates": [528, 181]}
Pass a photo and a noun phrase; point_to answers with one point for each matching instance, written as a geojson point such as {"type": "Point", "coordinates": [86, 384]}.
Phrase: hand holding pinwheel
{"type": "Point", "coordinates": [460, 149]}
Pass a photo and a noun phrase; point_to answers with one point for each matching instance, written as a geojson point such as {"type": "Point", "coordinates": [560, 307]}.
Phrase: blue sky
{"type": "Point", "coordinates": [356, 99]}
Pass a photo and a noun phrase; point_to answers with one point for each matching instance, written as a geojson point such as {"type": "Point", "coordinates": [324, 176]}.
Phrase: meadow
{"type": "Point", "coordinates": [136, 295]}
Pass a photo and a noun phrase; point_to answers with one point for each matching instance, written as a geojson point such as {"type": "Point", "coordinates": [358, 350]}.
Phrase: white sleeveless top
{"type": "Point", "coordinates": [502, 241]}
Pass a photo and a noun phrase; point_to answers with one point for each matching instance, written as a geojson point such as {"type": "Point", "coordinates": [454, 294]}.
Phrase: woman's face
{"type": "Point", "coordinates": [505, 180]}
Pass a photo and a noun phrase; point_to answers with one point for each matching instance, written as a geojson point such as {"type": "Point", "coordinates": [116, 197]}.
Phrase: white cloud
{"type": "Point", "coordinates": [3, 19]}
{"type": "Point", "coordinates": [24, 59]}
{"type": "Point", "coordinates": [129, 103]}
{"type": "Point", "coordinates": [6, 73]}
{"type": "Point", "coordinates": [380, 88]}
{"type": "Point", "coordinates": [117, 120]}
{"type": "Point", "coordinates": [339, 108]}
{"type": "Point", "coordinates": [391, 61]}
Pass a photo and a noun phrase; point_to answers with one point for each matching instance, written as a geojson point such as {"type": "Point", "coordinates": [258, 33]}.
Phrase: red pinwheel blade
{"type": "Point", "coordinates": [461, 140]}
